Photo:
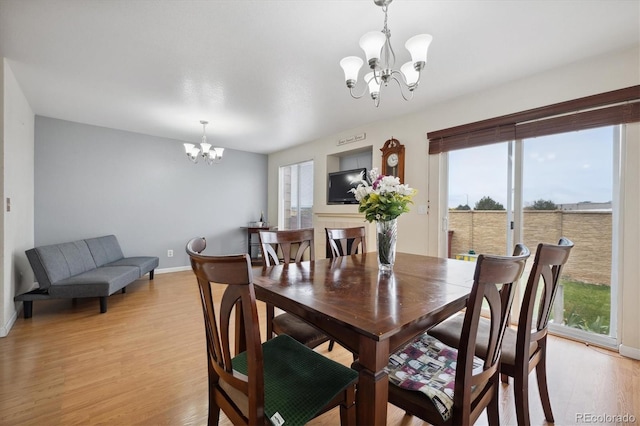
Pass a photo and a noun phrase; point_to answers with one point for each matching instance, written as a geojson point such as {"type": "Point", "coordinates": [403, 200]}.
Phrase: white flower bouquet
{"type": "Point", "coordinates": [384, 199]}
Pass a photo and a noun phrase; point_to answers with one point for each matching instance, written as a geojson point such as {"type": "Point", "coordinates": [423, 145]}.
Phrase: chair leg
{"type": "Point", "coordinates": [521, 394]}
{"type": "Point", "coordinates": [270, 315]}
{"type": "Point", "coordinates": [505, 378]}
{"type": "Point", "coordinates": [214, 411]}
{"type": "Point", "coordinates": [214, 408]}
{"type": "Point", "coordinates": [331, 343]}
{"type": "Point", "coordinates": [493, 410]}
{"type": "Point", "coordinates": [348, 408]}
{"type": "Point", "coordinates": [541, 374]}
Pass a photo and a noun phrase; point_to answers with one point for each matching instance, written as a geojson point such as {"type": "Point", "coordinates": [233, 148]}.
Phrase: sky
{"type": "Point", "coordinates": [564, 168]}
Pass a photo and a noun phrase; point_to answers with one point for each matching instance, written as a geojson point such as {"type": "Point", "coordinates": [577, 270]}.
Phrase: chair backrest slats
{"type": "Point", "coordinates": [339, 238]}
{"type": "Point", "coordinates": [285, 241]}
{"type": "Point", "coordinates": [546, 271]}
{"type": "Point", "coordinates": [494, 284]}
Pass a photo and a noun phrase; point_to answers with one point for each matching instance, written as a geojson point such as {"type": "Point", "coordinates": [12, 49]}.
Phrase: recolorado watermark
{"type": "Point", "coordinates": [592, 418]}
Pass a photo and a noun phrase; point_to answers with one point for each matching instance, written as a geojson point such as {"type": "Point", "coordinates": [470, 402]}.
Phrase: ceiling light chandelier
{"type": "Point", "coordinates": [210, 155]}
{"type": "Point", "coordinates": [382, 58]}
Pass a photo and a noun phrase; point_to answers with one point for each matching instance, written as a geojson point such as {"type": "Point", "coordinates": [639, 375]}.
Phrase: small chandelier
{"type": "Point", "coordinates": [210, 155]}
{"type": "Point", "coordinates": [382, 58]}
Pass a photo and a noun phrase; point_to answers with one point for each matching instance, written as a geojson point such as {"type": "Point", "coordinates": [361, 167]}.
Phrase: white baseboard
{"type": "Point", "coordinates": [629, 352]}
{"type": "Point", "coordinates": [176, 269]}
{"type": "Point", "coordinates": [4, 331]}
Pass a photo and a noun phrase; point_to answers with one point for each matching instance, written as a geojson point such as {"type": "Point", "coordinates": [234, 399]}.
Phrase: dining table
{"type": "Point", "coordinates": [370, 312]}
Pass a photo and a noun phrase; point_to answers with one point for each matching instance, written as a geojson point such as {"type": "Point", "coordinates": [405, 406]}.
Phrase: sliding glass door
{"type": "Point", "coordinates": [568, 190]}
{"type": "Point", "coordinates": [480, 200]}
{"type": "Point", "coordinates": [538, 190]}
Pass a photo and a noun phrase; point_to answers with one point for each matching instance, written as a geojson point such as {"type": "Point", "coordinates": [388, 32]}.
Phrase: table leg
{"type": "Point", "coordinates": [373, 384]}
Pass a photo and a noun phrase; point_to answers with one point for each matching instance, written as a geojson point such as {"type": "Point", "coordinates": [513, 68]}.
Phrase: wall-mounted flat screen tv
{"type": "Point", "coordinates": [339, 184]}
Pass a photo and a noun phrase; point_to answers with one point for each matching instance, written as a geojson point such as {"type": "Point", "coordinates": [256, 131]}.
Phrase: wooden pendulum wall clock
{"type": "Point", "coordinates": [393, 159]}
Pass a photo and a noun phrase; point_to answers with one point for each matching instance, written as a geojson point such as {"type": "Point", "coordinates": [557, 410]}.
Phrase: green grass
{"type": "Point", "coordinates": [587, 306]}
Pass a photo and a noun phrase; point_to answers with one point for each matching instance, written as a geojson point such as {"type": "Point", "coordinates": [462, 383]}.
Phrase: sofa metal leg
{"type": "Point", "coordinates": [151, 274]}
{"type": "Point", "coordinates": [103, 304]}
{"type": "Point", "coordinates": [27, 306]}
{"type": "Point", "coordinates": [124, 289]}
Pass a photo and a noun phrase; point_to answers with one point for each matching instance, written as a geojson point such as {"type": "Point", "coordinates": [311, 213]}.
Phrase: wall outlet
{"type": "Point", "coordinates": [169, 253]}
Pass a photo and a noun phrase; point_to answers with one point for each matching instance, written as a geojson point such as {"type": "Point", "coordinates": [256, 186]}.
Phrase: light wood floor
{"type": "Point", "coordinates": [143, 363]}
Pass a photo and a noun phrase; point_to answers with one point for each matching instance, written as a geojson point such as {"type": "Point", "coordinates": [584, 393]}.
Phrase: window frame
{"type": "Point", "coordinates": [283, 220]}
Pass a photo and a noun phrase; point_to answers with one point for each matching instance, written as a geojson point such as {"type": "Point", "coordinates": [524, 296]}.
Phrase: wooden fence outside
{"type": "Point", "coordinates": [484, 232]}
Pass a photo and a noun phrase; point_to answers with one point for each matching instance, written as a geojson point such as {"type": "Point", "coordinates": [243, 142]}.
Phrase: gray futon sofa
{"type": "Point", "coordinates": [94, 267]}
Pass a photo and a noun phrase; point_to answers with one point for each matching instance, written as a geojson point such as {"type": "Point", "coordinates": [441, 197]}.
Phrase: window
{"type": "Point", "coordinates": [296, 196]}
{"type": "Point", "coordinates": [576, 173]}
{"type": "Point", "coordinates": [566, 189]}
{"type": "Point", "coordinates": [564, 183]}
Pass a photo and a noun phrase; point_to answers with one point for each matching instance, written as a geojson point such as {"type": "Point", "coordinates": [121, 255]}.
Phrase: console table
{"type": "Point", "coordinates": [253, 243]}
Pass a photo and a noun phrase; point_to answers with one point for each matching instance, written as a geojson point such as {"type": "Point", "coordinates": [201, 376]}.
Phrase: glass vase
{"type": "Point", "coordinates": [387, 232]}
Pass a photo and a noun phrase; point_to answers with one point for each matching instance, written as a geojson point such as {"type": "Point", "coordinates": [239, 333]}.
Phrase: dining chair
{"type": "Point", "coordinates": [284, 247]}
{"type": "Point", "coordinates": [344, 242]}
{"type": "Point", "coordinates": [445, 386]}
{"type": "Point", "coordinates": [280, 381]}
{"type": "Point", "coordinates": [340, 238]}
{"type": "Point", "coordinates": [524, 349]}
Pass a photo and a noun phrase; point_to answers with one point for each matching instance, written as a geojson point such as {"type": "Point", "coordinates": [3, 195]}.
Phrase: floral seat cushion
{"type": "Point", "coordinates": [429, 366]}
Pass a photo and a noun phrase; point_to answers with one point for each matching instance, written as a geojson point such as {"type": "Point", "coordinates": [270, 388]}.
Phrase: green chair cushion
{"type": "Point", "coordinates": [298, 382]}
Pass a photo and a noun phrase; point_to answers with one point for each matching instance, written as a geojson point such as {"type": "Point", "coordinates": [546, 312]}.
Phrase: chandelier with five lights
{"type": "Point", "coordinates": [381, 59]}
{"type": "Point", "coordinates": [210, 154]}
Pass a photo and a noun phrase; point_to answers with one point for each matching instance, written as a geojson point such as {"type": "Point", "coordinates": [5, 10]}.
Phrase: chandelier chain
{"type": "Point", "coordinates": [389, 53]}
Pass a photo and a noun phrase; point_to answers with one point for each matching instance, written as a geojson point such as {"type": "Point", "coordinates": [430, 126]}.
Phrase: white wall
{"type": "Point", "coordinates": [17, 184]}
{"type": "Point", "coordinates": [424, 234]}
{"type": "Point", "coordinates": [407, 130]}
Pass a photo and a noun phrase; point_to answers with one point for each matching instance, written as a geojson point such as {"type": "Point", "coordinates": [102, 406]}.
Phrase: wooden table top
{"type": "Point", "coordinates": [351, 291]}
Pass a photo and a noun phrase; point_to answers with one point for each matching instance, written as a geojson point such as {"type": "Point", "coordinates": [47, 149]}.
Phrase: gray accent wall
{"type": "Point", "coordinates": [92, 181]}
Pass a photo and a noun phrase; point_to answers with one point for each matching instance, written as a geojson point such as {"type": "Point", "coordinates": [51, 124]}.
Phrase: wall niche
{"type": "Point", "coordinates": [348, 160]}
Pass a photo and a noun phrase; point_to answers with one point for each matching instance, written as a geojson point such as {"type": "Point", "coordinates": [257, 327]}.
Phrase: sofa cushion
{"type": "Point", "coordinates": [143, 263]}
{"type": "Point", "coordinates": [104, 249]}
{"type": "Point", "coordinates": [57, 262]}
{"type": "Point", "coordinates": [102, 281]}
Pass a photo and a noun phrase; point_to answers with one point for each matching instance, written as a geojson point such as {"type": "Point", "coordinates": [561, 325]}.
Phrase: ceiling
{"type": "Point", "coordinates": [265, 74]}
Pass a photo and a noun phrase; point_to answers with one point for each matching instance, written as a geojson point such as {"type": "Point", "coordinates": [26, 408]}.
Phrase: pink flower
{"type": "Point", "coordinates": [376, 183]}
